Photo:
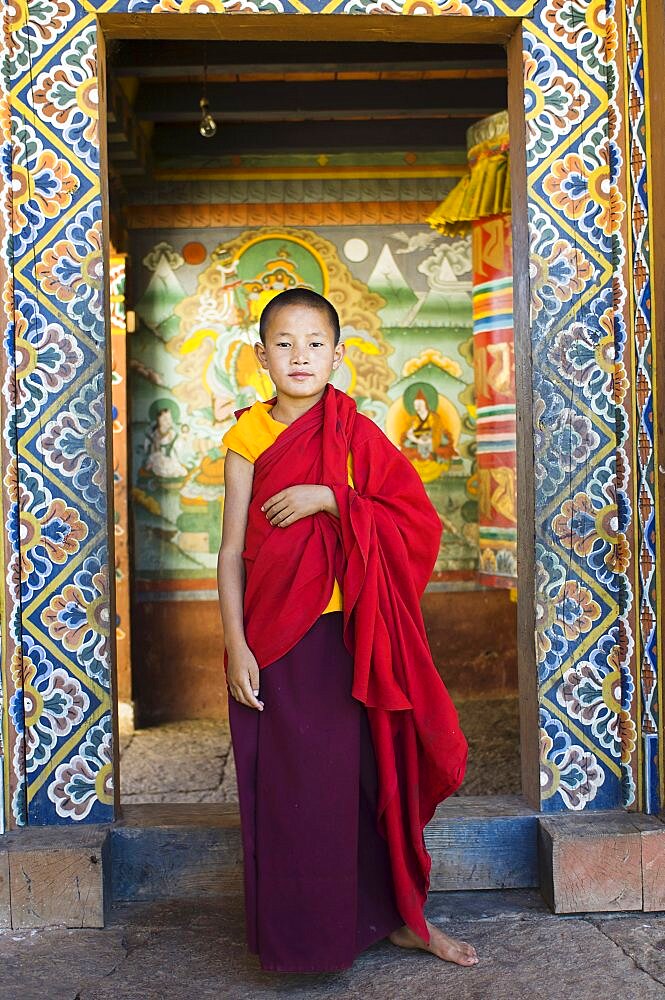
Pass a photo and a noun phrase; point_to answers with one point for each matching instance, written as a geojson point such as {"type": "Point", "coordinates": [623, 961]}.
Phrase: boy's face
{"type": "Point", "coordinates": [299, 352]}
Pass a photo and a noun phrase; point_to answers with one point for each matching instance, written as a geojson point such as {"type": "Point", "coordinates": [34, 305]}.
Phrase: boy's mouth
{"type": "Point", "coordinates": [300, 375]}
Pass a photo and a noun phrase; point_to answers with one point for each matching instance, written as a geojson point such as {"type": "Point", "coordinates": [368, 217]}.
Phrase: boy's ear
{"type": "Point", "coordinates": [260, 352]}
{"type": "Point", "coordinates": [340, 351]}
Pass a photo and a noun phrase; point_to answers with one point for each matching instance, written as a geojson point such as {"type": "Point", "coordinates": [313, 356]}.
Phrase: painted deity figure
{"type": "Point", "coordinates": [162, 446]}
{"type": "Point", "coordinates": [425, 442]}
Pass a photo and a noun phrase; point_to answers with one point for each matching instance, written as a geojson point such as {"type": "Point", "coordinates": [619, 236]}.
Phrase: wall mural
{"type": "Point", "coordinates": [404, 299]}
{"type": "Point", "coordinates": [56, 698]}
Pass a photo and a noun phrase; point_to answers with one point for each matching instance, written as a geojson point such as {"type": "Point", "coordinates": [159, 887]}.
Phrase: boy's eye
{"type": "Point", "coordinates": [317, 343]}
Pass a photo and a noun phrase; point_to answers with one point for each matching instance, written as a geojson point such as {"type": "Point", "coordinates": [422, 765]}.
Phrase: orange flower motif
{"type": "Point", "coordinates": [620, 382]}
{"type": "Point", "coordinates": [11, 480]}
{"type": "Point", "coordinates": [578, 610]}
{"type": "Point", "coordinates": [627, 735]}
{"type": "Point", "coordinates": [583, 27]}
{"type": "Point", "coordinates": [48, 20]}
{"type": "Point", "coordinates": [432, 8]}
{"type": "Point", "coordinates": [41, 189]}
{"type": "Point", "coordinates": [571, 201]}
{"type": "Point", "coordinates": [36, 539]}
{"type": "Point", "coordinates": [579, 185]}
{"type": "Point", "coordinates": [618, 558]}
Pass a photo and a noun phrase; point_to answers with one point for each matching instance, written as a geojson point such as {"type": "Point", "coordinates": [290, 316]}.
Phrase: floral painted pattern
{"type": "Point", "coordinates": [588, 525]}
{"type": "Point", "coordinates": [48, 707]}
{"type": "Point", "coordinates": [46, 533]}
{"type": "Point", "coordinates": [565, 611]}
{"type": "Point", "coordinates": [564, 440]}
{"type": "Point", "coordinates": [566, 769]}
{"type": "Point", "coordinates": [66, 96]}
{"type": "Point", "coordinates": [582, 26]}
{"type": "Point", "coordinates": [591, 693]}
{"type": "Point", "coordinates": [580, 186]}
{"type": "Point", "coordinates": [584, 353]}
{"type": "Point", "coordinates": [207, 6]}
{"type": "Point", "coordinates": [78, 618]}
{"type": "Point", "coordinates": [554, 102]}
{"type": "Point", "coordinates": [46, 358]}
{"type": "Point", "coordinates": [39, 185]}
{"type": "Point", "coordinates": [87, 778]}
{"type": "Point", "coordinates": [74, 443]}
{"type": "Point", "coordinates": [558, 271]}
{"type": "Point", "coordinates": [597, 692]}
{"type": "Point", "coordinates": [418, 7]}
{"type": "Point", "coordinates": [47, 18]}
{"type": "Point", "coordinates": [72, 270]}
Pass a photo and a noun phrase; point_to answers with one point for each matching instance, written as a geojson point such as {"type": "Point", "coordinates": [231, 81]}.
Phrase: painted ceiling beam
{"type": "Point", "coordinates": [170, 59]}
{"type": "Point", "coordinates": [338, 100]}
{"type": "Point", "coordinates": [178, 142]}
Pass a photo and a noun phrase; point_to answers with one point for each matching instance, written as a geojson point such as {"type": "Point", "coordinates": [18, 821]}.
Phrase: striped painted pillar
{"type": "Point", "coordinates": [494, 361]}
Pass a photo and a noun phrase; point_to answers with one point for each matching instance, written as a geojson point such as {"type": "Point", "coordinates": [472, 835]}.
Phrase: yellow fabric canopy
{"type": "Point", "coordinates": [484, 191]}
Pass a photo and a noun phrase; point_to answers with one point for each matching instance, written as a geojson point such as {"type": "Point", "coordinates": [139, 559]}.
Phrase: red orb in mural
{"type": "Point", "coordinates": [194, 252]}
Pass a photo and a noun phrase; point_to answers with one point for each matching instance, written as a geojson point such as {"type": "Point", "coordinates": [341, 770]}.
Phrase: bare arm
{"type": "Point", "coordinates": [243, 671]}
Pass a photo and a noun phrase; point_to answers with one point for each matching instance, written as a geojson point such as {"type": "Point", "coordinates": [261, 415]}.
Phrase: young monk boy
{"type": "Point", "coordinates": [344, 736]}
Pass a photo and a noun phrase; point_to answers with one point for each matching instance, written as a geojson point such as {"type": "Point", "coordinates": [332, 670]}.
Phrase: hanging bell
{"type": "Point", "coordinates": [207, 126]}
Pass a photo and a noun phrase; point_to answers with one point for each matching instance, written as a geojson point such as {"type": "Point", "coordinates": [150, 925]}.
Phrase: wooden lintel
{"type": "Point", "coordinates": [309, 28]}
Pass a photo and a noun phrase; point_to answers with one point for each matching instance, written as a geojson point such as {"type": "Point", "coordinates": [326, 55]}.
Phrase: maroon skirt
{"type": "Point", "coordinates": [318, 885]}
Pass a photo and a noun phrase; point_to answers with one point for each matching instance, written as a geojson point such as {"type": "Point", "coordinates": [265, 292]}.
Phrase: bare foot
{"type": "Point", "coordinates": [447, 948]}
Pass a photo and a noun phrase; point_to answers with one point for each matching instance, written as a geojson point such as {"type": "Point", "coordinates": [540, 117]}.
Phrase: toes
{"type": "Point", "coordinates": [467, 953]}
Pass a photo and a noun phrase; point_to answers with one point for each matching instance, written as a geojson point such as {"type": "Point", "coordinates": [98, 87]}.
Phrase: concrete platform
{"type": "Point", "coordinates": [176, 950]}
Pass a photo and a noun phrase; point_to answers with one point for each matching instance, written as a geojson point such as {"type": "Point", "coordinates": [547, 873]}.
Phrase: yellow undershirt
{"type": "Point", "coordinates": [255, 431]}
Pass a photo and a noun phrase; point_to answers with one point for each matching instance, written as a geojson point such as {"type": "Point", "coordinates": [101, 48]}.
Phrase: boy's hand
{"type": "Point", "coordinates": [242, 675]}
{"type": "Point", "coordinates": [295, 502]}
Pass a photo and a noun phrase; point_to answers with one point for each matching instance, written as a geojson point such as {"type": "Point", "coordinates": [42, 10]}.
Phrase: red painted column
{"type": "Point", "coordinates": [494, 362]}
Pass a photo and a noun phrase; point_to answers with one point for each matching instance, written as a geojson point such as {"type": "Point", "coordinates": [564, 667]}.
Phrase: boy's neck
{"type": "Point", "coordinates": [287, 408]}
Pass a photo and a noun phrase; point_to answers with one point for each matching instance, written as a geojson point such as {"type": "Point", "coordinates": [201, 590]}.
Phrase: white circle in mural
{"type": "Point", "coordinates": [356, 249]}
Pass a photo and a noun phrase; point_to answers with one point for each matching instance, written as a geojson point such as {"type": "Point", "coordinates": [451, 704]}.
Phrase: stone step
{"type": "Point", "coordinates": [594, 862]}
{"type": "Point", "coordinates": [194, 850]}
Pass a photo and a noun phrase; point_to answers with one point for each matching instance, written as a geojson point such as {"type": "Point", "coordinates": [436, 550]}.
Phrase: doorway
{"type": "Point", "coordinates": [174, 491]}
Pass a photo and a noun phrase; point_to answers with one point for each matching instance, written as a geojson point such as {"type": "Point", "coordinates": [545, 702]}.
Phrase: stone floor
{"type": "Point", "coordinates": [183, 950]}
{"type": "Point", "coordinates": [192, 761]}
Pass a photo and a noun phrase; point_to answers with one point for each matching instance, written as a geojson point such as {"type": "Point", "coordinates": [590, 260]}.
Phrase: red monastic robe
{"type": "Point", "coordinates": [382, 548]}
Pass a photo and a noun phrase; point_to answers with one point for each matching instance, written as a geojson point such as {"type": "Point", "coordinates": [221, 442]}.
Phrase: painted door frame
{"type": "Point", "coordinates": [569, 615]}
